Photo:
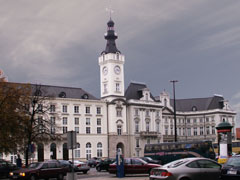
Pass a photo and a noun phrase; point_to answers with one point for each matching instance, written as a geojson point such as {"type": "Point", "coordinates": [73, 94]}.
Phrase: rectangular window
{"type": "Point", "coordinates": [77, 153]}
{"type": "Point", "coordinates": [76, 121]}
{"type": "Point", "coordinates": [87, 110]}
{"type": "Point", "coordinates": [99, 122]}
{"type": "Point", "coordinates": [179, 132]}
{"type": "Point", "coordinates": [171, 130]}
{"type": "Point", "coordinates": [213, 129]}
{"type": "Point", "coordinates": [119, 112]}
{"type": "Point", "coordinates": [65, 121]}
{"type": "Point", "coordinates": [52, 120]}
{"type": "Point", "coordinates": [207, 119]}
{"type": "Point", "coordinates": [166, 130]}
{"type": "Point", "coordinates": [194, 120]}
{"type": "Point", "coordinates": [195, 131]}
{"type": "Point", "coordinates": [99, 130]}
{"type": "Point", "coordinates": [188, 120]}
{"type": "Point", "coordinates": [76, 109]}
{"type": "Point", "coordinates": [98, 110]}
{"type": "Point", "coordinates": [158, 127]}
{"type": "Point", "coordinates": [137, 127]}
{"type": "Point", "coordinates": [64, 129]}
{"type": "Point", "coordinates": [119, 130]}
{"type": "Point", "coordinates": [77, 130]}
{"type": "Point", "coordinates": [189, 131]}
{"type": "Point", "coordinates": [208, 130]}
{"type": "Point", "coordinates": [88, 130]}
{"type": "Point", "coordinates": [117, 87]}
{"type": "Point", "coordinates": [201, 120]}
{"type": "Point", "coordinates": [201, 130]}
{"type": "Point", "coordinates": [147, 126]}
{"type": "Point", "coordinates": [40, 107]}
{"type": "Point", "coordinates": [52, 108]}
{"type": "Point", "coordinates": [88, 121]}
{"type": "Point", "coordinates": [148, 141]}
{"type": "Point", "coordinates": [64, 108]}
{"type": "Point", "coordinates": [183, 131]}
{"type": "Point", "coordinates": [157, 113]}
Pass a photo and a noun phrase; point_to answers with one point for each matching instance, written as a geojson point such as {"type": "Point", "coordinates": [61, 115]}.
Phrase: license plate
{"type": "Point", "coordinates": [232, 172]}
{"type": "Point", "coordinates": [15, 177]}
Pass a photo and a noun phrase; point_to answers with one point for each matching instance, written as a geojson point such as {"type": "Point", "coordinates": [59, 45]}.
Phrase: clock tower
{"type": "Point", "coordinates": [111, 64]}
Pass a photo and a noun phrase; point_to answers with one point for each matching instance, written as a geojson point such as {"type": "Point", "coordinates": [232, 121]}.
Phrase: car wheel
{"type": "Point", "coordinates": [32, 177]}
{"type": "Point", "coordinates": [60, 177]}
{"type": "Point", "coordinates": [98, 169]}
{"type": "Point", "coordinates": [85, 172]}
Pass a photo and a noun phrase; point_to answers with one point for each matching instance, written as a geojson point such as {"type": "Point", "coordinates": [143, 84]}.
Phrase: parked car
{"type": "Point", "coordinates": [133, 166]}
{"type": "Point", "coordinates": [231, 169]}
{"type": "Point", "coordinates": [150, 160]}
{"type": "Point", "coordinates": [104, 164]}
{"type": "Point", "coordinates": [80, 166]}
{"type": "Point", "coordinates": [93, 162]}
{"type": "Point", "coordinates": [186, 169]}
{"type": "Point", "coordinates": [5, 168]}
{"type": "Point", "coordinates": [67, 164]}
{"type": "Point", "coordinates": [40, 170]}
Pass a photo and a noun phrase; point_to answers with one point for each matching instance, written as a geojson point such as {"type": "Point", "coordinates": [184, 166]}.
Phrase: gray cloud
{"type": "Point", "coordinates": [58, 42]}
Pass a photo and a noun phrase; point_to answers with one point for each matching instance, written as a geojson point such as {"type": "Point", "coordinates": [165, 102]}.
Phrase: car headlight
{"type": "Point", "coordinates": [22, 174]}
{"type": "Point", "coordinates": [11, 173]}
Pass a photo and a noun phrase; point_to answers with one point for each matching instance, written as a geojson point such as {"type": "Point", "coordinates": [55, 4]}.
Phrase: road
{"type": "Point", "coordinates": [93, 174]}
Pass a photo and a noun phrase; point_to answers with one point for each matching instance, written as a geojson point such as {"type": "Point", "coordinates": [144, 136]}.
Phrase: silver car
{"type": "Point", "coordinates": [188, 169]}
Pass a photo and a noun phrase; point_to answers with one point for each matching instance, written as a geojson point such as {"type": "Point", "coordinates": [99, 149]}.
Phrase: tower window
{"type": "Point", "coordinates": [117, 87]}
{"type": "Point", "coordinates": [119, 129]}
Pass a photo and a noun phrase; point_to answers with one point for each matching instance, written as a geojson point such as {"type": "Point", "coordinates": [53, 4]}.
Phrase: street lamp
{"type": "Point", "coordinates": [174, 107]}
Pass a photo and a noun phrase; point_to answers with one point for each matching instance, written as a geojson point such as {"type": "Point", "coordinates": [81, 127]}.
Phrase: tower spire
{"type": "Point", "coordinates": [111, 36]}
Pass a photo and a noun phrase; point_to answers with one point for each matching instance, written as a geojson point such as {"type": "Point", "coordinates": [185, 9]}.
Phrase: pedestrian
{"type": "Point", "coordinates": [19, 161]}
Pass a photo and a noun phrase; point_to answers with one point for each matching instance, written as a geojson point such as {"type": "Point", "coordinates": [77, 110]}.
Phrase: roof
{"type": "Point", "coordinates": [61, 92]}
{"type": "Point", "coordinates": [134, 91]}
{"type": "Point", "coordinates": [201, 104]}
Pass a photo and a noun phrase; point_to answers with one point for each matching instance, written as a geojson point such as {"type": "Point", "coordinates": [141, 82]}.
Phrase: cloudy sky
{"type": "Point", "coordinates": [57, 42]}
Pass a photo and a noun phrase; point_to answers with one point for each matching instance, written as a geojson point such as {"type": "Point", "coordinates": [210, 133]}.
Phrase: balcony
{"type": "Point", "coordinates": [147, 134]}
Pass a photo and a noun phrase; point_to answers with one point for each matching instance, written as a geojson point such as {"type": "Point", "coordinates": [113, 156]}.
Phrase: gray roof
{"type": "Point", "coordinates": [59, 91]}
{"type": "Point", "coordinates": [134, 91]}
{"type": "Point", "coordinates": [201, 104]}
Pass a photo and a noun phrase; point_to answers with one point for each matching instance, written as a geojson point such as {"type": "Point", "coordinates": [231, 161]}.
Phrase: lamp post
{"type": "Point", "coordinates": [174, 107]}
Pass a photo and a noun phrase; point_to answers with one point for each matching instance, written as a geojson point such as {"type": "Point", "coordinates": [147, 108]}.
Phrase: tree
{"type": "Point", "coordinates": [38, 127]}
{"type": "Point", "coordinates": [24, 118]}
{"type": "Point", "coordinates": [12, 119]}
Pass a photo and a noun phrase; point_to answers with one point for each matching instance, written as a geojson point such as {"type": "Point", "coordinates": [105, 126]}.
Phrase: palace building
{"type": "Point", "coordinates": [126, 118]}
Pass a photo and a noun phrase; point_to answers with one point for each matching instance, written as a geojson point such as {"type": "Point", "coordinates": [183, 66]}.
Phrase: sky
{"type": "Point", "coordinates": [58, 42]}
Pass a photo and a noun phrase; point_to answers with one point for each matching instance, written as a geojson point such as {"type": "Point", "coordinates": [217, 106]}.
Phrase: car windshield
{"type": "Point", "coordinates": [176, 163]}
{"type": "Point", "coordinates": [33, 165]}
{"type": "Point", "coordinates": [233, 162]}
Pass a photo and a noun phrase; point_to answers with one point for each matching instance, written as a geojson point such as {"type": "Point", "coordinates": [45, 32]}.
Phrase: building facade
{"type": "Point", "coordinates": [126, 119]}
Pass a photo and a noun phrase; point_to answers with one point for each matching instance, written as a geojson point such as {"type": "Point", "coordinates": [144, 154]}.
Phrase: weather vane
{"type": "Point", "coordinates": [109, 9]}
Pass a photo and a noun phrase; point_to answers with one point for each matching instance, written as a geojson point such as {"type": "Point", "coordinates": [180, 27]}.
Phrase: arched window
{"type": "Point", "coordinates": [99, 149]}
{"type": "Point", "coordinates": [88, 151]}
{"type": "Point", "coordinates": [53, 151]}
{"type": "Point", "coordinates": [77, 151]}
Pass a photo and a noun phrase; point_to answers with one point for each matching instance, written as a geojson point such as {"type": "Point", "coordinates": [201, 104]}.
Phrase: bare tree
{"type": "Point", "coordinates": [39, 127]}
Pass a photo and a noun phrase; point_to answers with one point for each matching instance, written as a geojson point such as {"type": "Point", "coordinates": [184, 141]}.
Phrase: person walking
{"type": "Point", "coordinates": [19, 161]}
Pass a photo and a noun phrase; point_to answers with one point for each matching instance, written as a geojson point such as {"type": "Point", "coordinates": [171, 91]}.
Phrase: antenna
{"type": "Point", "coordinates": [109, 9]}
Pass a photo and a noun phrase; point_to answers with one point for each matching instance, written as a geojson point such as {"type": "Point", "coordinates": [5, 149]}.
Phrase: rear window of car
{"type": "Point", "coordinates": [175, 164]}
{"type": "Point", "coordinates": [235, 161]}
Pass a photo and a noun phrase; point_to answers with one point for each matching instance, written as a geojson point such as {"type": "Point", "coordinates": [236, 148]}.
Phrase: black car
{"type": "Point", "coordinates": [104, 164]}
{"type": "Point", "coordinates": [5, 168]}
{"type": "Point", "coordinates": [231, 169]}
{"type": "Point", "coordinates": [150, 160]}
{"type": "Point", "coordinates": [93, 162]}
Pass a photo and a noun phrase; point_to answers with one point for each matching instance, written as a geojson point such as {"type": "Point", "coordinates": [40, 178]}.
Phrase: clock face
{"type": "Point", "coordinates": [117, 69]}
{"type": "Point", "coordinates": [105, 70]}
